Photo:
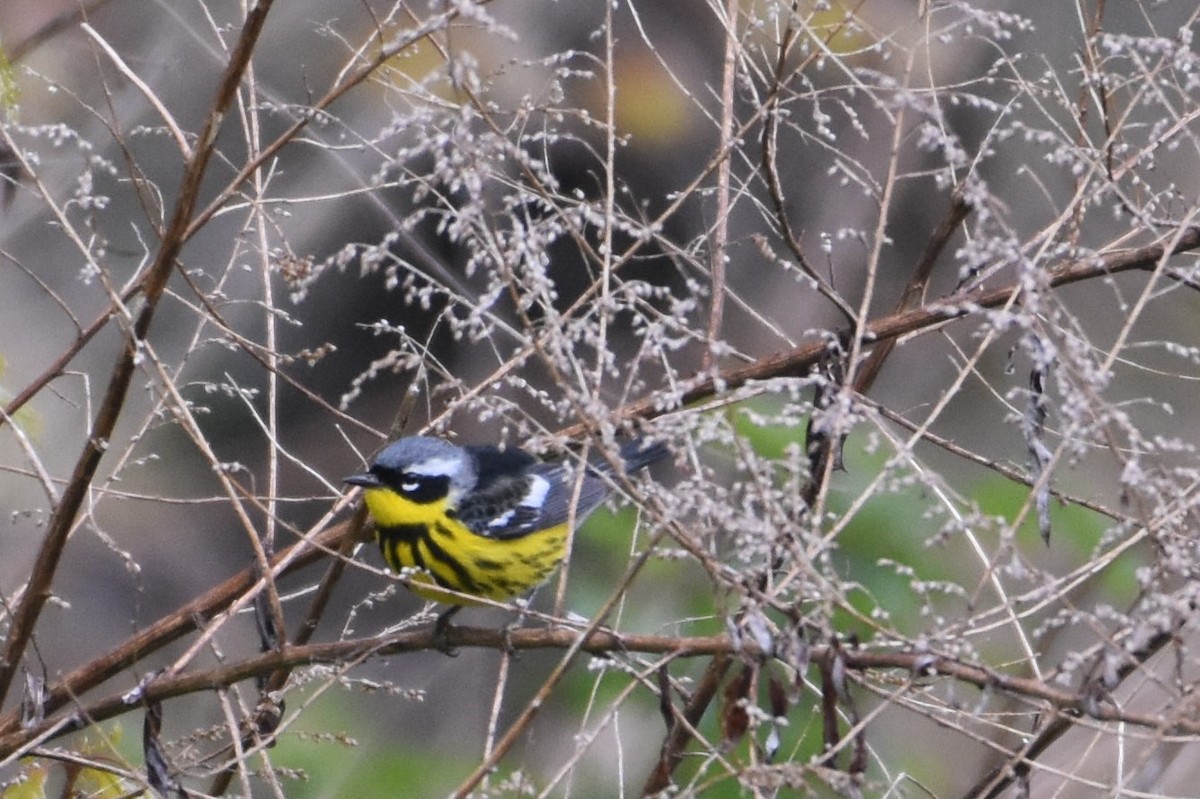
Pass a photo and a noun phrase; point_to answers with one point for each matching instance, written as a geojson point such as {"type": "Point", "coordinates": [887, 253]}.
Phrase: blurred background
{"type": "Point", "coordinates": [554, 166]}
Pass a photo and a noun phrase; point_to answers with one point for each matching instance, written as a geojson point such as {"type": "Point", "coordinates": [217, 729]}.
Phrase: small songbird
{"type": "Point", "coordinates": [484, 521]}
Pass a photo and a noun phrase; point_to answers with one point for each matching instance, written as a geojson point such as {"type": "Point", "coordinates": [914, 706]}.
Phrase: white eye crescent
{"type": "Point", "coordinates": [408, 488]}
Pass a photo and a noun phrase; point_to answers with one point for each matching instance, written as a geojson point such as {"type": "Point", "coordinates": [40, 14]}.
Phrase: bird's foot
{"type": "Point", "coordinates": [441, 631]}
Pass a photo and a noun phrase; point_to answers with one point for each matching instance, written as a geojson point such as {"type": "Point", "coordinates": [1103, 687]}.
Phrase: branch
{"type": "Point", "coordinates": [914, 291]}
{"type": "Point", "coordinates": [177, 624]}
{"type": "Point", "coordinates": [720, 233]}
{"type": "Point", "coordinates": [995, 781]}
{"type": "Point", "coordinates": [921, 664]}
{"type": "Point", "coordinates": [770, 148]}
{"type": "Point", "coordinates": [186, 619]}
{"type": "Point", "coordinates": [680, 734]}
{"type": "Point", "coordinates": [797, 361]}
{"type": "Point", "coordinates": [153, 284]}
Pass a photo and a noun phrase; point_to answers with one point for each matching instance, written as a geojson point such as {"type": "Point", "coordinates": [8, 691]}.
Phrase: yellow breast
{"type": "Point", "coordinates": [449, 555]}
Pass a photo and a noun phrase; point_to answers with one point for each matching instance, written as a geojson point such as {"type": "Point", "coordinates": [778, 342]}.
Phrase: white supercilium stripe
{"type": "Point", "coordinates": [436, 467]}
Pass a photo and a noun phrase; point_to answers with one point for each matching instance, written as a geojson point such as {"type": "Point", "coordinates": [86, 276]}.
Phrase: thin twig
{"type": "Point", "coordinates": [914, 291]}
{"type": "Point", "coordinates": [770, 159]}
{"type": "Point", "coordinates": [918, 662]}
{"type": "Point", "coordinates": [153, 284]}
{"type": "Point", "coordinates": [176, 132]}
{"type": "Point", "coordinates": [798, 360]}
{"type": "Point", "coordinates": [180, 622]}
{"type": "Point", "coordinates": [720, 234]}
{"type": "Point", "coordinates": [680, 734]}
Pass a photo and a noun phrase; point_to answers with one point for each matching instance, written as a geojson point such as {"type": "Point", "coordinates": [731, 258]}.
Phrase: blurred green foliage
{"type": "Point", "coordinates": [10, 92]}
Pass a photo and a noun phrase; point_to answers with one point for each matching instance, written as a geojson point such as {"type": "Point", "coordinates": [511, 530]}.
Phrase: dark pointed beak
{"type": "Point", "coordinates": [365, 480]}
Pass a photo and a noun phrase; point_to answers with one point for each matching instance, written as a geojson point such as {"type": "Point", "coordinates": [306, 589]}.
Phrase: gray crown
{"type": "Point", "coordinates": [430, 457]}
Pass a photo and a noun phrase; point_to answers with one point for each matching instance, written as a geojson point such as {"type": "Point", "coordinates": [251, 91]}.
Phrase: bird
{"type": "Point", "coordinates": [481, 521]}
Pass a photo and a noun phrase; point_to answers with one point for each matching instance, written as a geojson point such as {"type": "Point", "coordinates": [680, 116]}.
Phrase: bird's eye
{"type": "Point", "coordinates": [419, 488]}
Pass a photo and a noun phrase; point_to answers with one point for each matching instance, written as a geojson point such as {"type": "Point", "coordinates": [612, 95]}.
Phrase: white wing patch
{"type": "Point", "coordinates": [501, 520]}
{"type": "Point", "coordinates": [436, 467]}
{"type": "Point", "coordinates": [539, 487]}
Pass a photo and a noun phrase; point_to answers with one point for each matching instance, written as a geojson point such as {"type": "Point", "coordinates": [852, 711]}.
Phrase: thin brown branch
{"type": "Point", "coordinates": [770, 160]}
{"type": "Point", "coordinates": [923, 664]}
{"type": "Point", "coordinates": [175, 625]}
{"type": "Point", "coordinates": [918, 284]}
{"type": "Point", "coordinates": [59, 366]}
{"type": "Point", "coordinates": [797, 361]}
{"type": "Point", "coordinates": [1001, 777]}
{"type": "Point", "coordinates": [830, 732]}
{"type": "Point", "coordinates": [154, 282]}
{"type": "Point", "coordinates": [720, 235]}
{"type": "Point", "coordinates": [680, 734]}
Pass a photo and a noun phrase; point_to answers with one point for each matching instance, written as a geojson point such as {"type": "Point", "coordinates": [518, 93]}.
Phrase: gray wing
{"type": "Point", "coordinates": [539, 495]}
{"type": "Point", "coordinates": [504, 508]}
{"type": "Point", "coordinates": [556, 507]}
{"type": "Point", "coordinates": [511, 507]}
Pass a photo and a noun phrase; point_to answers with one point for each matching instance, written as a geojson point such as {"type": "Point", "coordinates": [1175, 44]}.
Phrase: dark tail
{"type": "Point", "coordinates": [642, 452]}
